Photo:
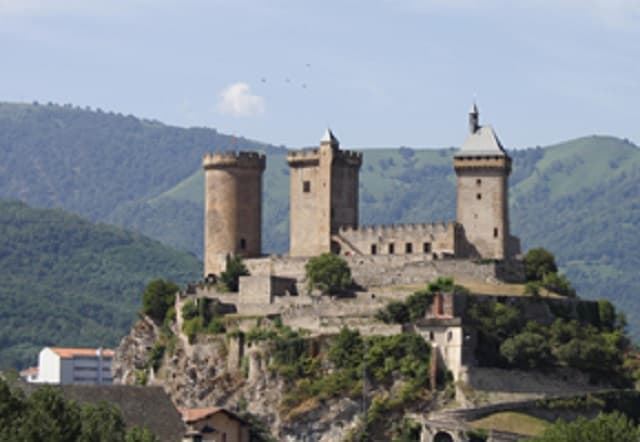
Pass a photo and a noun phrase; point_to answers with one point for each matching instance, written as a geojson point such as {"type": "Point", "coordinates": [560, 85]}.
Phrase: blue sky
{"type": "Point", "coordinates": [379, 72]}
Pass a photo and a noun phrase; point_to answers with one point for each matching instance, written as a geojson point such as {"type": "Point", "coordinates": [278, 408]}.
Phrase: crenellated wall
{"type": "Point", "coordinates": [435, 239]}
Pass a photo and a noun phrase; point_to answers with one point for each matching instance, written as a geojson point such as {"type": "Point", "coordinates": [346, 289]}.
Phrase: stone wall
{"type": "Point", "coordinates": [383, 270]}
{"type": "Point", "coordinates": [404, 239]}
{"type": "Point", "coordinates": [263, 289]}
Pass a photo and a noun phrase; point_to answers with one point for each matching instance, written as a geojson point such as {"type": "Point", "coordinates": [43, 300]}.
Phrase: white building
{"type": "Point", "coordinates": [58, 365]}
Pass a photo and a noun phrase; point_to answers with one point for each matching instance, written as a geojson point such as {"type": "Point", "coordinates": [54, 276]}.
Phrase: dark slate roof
{"type": "Point", "coordinates": [147, 407]}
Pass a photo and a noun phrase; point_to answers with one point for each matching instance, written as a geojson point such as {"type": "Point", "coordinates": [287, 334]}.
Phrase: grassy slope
{"type": "Point", "coordinates": [66, 281]}
{"type": "Point", "coordinates": [512, 422]}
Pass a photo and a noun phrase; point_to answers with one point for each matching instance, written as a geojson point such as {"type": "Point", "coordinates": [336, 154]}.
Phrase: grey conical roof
{"type": "Point", "coordinates": [483, 141]}
{"type": "Point", "coordinates": [329, 137]}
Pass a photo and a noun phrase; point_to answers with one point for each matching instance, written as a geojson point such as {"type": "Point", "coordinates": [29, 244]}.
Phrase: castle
{"type": "Point", "coordinates": [324, 207]}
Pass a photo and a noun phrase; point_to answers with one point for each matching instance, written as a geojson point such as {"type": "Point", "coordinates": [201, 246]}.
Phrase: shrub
{"type": "Point", "coordinates": [529, 349]}
{"type": "Point", "coordinates": [539, 262]}
{"type": "Point", "coordinates": [395, 312]}
{"type": "Point", "coordinates": [558, 284]}
{"type": "Point", "coordinates": [347, 349]}
{"type": "Point", "coordinates": [158, 298]}
{"type": "Point", "coordinates": [189, 310]}
{"type": "Point", "coordinates": [155, 355]}
{"type": "Point", "coordinates": [532, 288]}
{"type": "Point", "coordinates": [216, 326]}
{"type": "Point", "coordinates": [231, 276]}
{"type": "Point", "coordinates": [192, 327]}
{"type": "Point", "coordinates": [329, 273]}
{"type": "Point", "coordinates": [418, 304]}
{"type": "Point", "coordinates": [604, 428]}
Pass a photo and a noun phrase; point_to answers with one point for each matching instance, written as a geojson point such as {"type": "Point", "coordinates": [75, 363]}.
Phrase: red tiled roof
{"type": "Point", "coordinates": [69, 353]}
{"type": "Point", "coordinates": [31, 371]}
{"type": "Point", "coordinates": [191, 415]}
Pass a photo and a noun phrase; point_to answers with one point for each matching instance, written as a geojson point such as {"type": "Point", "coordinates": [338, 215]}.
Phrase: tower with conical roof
{"type": "Point", "coordinates": [482, 167]}
{"type": "Point", "coordinates": [323, 196]}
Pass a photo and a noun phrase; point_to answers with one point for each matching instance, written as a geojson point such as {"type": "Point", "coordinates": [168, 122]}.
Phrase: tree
{"type": "Point", "coordinates": [604, 428]}
{"type": "Point", "coordinates": [537, 263]}
{"type": "Point", "coordinates": [137, 434]}
{"type": "Point", "coordinates": [231, 276]}
{"type": "Point", "coordinates": [346, 351]}
{"type": "Point", "coordinates": [558, 284]}
{"type": "Point", "coordinates": [158, 297]}
{"type": "Point", "coordinates": [329, 273]}
{"type": "Point", "coordinates": [101, 422]}
{"type": "Point", "coordinates": [526, 350]}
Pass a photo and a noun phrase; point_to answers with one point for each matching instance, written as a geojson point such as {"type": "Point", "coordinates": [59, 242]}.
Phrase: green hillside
{"type": "Point", "coordinates": [91, 162]}
{"type": "Point", "coordinates": [66, 281]}
{"type": "Point", "coordinates": [579, 198]}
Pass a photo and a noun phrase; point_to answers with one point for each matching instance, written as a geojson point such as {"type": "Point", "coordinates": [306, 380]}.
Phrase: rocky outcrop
{"type": "Point", "coordinates": [198, 374]}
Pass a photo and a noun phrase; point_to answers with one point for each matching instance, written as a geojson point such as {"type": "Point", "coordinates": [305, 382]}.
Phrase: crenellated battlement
{"type": "Point", "coordinates": [387, 230]}
{"type": "Point", "coordinates": [350, 157]}
{"type": "Point", "coordinates": [310, 156]}
{"type": "Point", "coordinates": [243, 160]}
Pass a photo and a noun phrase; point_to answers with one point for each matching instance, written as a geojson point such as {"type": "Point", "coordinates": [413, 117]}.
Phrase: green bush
{"type": "Point", "coordinates": [189, 310]}
{"type": "Point", "coordinates": [419, 303]}
{"type": "Point", "coordinates": [604, 428]}
{"type": "Point", "coordinates": [537, 263]}
{"type": "Point", "coordinates": [192, 327]}
{"type": "Point", "coordinates": [155, 355]}
{"type": "Point", "coordinates": [529, 349]}
{"type": "Point", "coordinates": [328, 273]}
{"type": "Point", "coordinates": [395, 312]}
{"type": "Point", "coordinates": [558, 284]}
{"type": "Point", "coordinates": [216, 326]}
{"type": "Point", "coordinates": [231, 276]}
{"type": "Point", "coordinates": [158, 298]}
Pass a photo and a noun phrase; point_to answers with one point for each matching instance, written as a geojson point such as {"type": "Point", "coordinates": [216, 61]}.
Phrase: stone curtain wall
{"type": "Point", "coordinates": [405, 239]}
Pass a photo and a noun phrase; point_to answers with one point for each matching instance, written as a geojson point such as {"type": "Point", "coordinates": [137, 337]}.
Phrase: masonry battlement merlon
{"type": "Point", "coordinates": [245, 160]}
{"type": "Point", "coordinates": [435, 227]}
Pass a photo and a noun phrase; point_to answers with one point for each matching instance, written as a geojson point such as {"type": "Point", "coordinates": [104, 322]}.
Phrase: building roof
{"type": "Point", "coordinates": [191, 415]}
{"type": "Point", "coordinates": [31, 371]}
{"type": "Point", "coordinates": [149, 407]}
{"type": "Point", "coordinates": [483, 141]}
{"type": "Point", "coordinates": [329, 137]}
{"type": "Point", "coordinates": [69, 353]}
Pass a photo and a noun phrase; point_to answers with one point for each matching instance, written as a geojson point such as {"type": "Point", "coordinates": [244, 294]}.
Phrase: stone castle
{"type": "Point", "coordinates": [324, 209]}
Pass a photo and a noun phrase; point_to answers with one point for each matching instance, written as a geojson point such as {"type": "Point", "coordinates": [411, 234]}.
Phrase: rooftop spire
{"type": "Point", "coordinates": [329, 138]}
{"type": "Point", "coordinates": [474, 118]}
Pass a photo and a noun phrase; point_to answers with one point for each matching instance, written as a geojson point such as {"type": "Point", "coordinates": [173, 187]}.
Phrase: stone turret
{"type": "Point", "coordinates": [233, 207]}
{"type": "Point", "coordinates": [482, 167]}
{"type": "Point", "coordinates": [324, 195]}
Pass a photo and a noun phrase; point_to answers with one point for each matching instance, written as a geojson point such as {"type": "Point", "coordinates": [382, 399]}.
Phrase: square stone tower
{"type": "Point", "coordinates": [233, 207]}
{"type": "Point", "coordinates": [323, 196]}
{"type": "Point", "coordinates": [483, 167]}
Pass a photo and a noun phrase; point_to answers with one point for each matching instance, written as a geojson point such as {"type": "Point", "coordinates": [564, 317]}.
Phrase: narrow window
{"type": "Point", "coordinates": [243, 244]}
{"type": "Point", "coordinates": [392, 249]}
{"type": "Point", "coordinates": [495, 232]}
{"type": "Point", "coordinates": [478, 182]}
{"type": "Point", "coordinates": [449, 336]}
{"type": "Point", "coordinates": [431, 336]}
{"type": "Point", "coordinates": [426, 247]}
{"type": "Point", "coordinates": [374, 249]}
{"type": "Point", "coordinates": [408, 248]}
{"type": "Point", "coordinates": [479, 196]}
{"type": "Point", "coordinates": [306, 186]}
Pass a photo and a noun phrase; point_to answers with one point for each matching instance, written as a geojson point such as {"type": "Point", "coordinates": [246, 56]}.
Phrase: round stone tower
{"type": "Point", "coordinates": [233, 207]}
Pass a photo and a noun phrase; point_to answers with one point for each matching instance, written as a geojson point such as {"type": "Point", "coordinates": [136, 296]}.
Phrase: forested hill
{"type": "Point", "coordinates": [66, 281]}
{"type": "Point", "coordinates": [91, 162]}
{"type": "Point", "coordinates": [580, 199]}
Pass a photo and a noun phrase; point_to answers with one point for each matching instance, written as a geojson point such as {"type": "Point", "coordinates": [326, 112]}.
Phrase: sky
{"type": "Point", "coordinates": [380, 73]}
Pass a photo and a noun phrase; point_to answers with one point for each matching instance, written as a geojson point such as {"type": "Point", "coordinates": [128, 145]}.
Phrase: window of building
{"type": "Point", "coordinates": [392, 249]}
{"type": "Point", "coordinates": [431, 336]}
{"type": "Point", "coordinates": [306, 186]}
{"type": "Point", "coordinates": [408, 248]}
{"type": "Point", "coordinates": [449, 336]}
{"type": "Point", "coordinates": [478, 182]}
{"type": "Point", "coordinates": [374, 249]}
{"type": "Point", "coordinates": [426, 247]}
{"type": "Point", "coordinates": [479, 196]}
{"type": "Point", "coordinates": [243, 243]}
{"type": "Point", "coordinates": [495, 232]}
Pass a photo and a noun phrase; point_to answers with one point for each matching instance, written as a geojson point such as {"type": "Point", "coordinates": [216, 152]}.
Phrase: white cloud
{"type": "Point", "coordinates": [238, 101]}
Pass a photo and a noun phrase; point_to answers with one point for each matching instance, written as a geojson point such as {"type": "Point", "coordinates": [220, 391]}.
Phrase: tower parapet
{"type": "Point", "coordinates": [233, 207]}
